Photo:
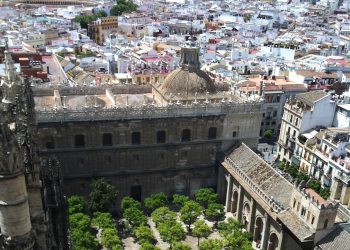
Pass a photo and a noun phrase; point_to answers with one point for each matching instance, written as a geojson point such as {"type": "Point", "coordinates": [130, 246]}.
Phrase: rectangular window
{"type": "Point", "coordinates": [79, 141]}
{"type": "Point", "coordinates": [161, 136]}
{"type": "Point", "coordinates": [107, 139]}
{"type": "Point", "coordinates": [274, 113]}
{"type": "Point", "coordinates": [212, 133]}
{"type": "Point", "coordinates": [136, 138]}
{"type": "Point", "coordinates": [186, 135]}
{"type": "Point", "coordinates": [234, 134]}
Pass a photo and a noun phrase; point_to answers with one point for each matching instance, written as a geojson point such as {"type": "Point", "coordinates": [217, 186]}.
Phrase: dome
{"type": "Point", "coordinates": [187, 82]}
{"type": "Point", "coordinates": [189, 79]}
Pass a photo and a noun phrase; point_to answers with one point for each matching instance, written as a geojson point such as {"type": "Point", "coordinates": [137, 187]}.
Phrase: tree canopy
{"type": "Point", "coordinates": [206, 196]}
{"type": "Point", "coordinates": [201, 229]}
{"type": "Point", "coordinates": [84, 20]}
{"type": "Point", "coordinates": [179, 199]}
{"type": "Point", "coordinates": [103, 220]}
{"type": "Point", "coordinates": [144, 234]}
{"type": "Point", "coordinates": [268, 133]}
{"type": "Point", "coordinates": [171, 232]}
{"type": "Point", "coordinates": [76, 204]}
{"type": "Point", "coordinates": [163, 214]}
{"type": "Point", "coordinates": [128, 202]}
{"type": "Point", "coordinates": [180, 246]}
{"type": "Point", "coordinates": [123, 6]}
{"type": "Point", "coordinates": [110, 239]}
{"type": "Point", "coordinates": [156, 201]}
{"type": "Point", "coordinates": [149, 246]}
{"type": "Point", "coordinates": [215, 212]}
{"type": "Point", "coordinates": [211, 244]}
{"type": "Point", "coordinates": [190, 212]}
{"type": "Point", "coordinates": [102, 196]}
{"type": "Point", "coordinates": [135, 217]}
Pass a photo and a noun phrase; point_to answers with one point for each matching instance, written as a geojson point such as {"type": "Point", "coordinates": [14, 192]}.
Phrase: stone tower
{"type": "Point", "coordinates": [15, 222]}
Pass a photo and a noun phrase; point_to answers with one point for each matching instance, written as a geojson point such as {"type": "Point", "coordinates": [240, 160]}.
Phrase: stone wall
{"type": "Point", "coordinates": [173, 166]}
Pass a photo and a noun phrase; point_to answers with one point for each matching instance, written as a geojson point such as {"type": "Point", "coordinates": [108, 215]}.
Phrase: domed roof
{"type": "Point", "coordinates": [189, 79]}
{"type": "Point", "coordinates": [187, 82]}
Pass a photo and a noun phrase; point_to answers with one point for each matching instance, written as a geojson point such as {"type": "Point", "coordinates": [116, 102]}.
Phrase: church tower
{"type": "Point", "coordinates": [15, 222]}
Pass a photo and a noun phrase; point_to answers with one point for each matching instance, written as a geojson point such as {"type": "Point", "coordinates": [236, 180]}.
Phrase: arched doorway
{"type": "Point", "coordinates": [234, 202]}
{"type": "Point", "coordinates": [259, 225]}
{"type": "Point", "coordinates": [246, 216]}
{"type": "Point", "coordinates": [273, 242]}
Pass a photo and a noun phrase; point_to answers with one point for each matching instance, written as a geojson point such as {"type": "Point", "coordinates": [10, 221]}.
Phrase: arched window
{"type": "Point", "coordinates": [186, 135]}
{"type": "Point", "coordinates": [107, 139]}
{"type": "Point", "coordinates": [212, 133]}
{"type": "Point", "coordinates": [161, 136]}
{"type": "Point", "coordinates": [79, 141]}
{"type": "Point", "coordinates": [136, 138]}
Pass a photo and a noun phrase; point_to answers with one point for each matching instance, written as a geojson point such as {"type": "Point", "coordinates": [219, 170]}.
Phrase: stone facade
{"type": "Point", "coordinates": [279, 215]}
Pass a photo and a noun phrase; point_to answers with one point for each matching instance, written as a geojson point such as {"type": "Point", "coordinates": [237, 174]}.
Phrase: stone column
{"type": "Point", "coordinates": [336, 189]}
{"type": "Point", "coordinates": [228, 193]}
{"type": "Point", "coordinates": [265, 234]}
{"type": "Point", "coordinates": [345, 195]}
{"type": "Point", "coordinates": [240, 203]}
{"type": "Point", "coordinates": [252, 217]}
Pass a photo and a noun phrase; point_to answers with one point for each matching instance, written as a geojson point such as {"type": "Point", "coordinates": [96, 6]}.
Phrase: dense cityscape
{"type": "Point", "coordinates": [175, 124]}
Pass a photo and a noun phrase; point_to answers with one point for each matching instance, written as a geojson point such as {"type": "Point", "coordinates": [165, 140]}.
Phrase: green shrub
{"type": "Point", "coordinates": [128, 202]}
{"type": "Point", "coordinates": [110, 239]}
{"type": "Point", "coordinates": [103, 220]}
{"type": "Point", "coordinates": [206, 196]}
{"type": "Point", "coordinates": [76, 204]}
{"type": "Point", "coordinates": [135, 217]}
{"type": "Point", "coordinates": [156, 201]}
{"type": "Point", "coordinates": [163, 214]}
{"type": "Point", "coordinates": [144, 234]}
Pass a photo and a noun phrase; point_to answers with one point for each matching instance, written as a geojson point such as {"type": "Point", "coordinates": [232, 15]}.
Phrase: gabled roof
{"type": "Point", "coordinates": [338, 238]}
{"type": "Point", "coordinates": [262, 174]}
{"type": "Point", "coordinates": [311, 97]}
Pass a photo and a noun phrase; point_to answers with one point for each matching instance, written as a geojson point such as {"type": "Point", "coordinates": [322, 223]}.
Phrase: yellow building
{"type": "Point", "coordinates": [97, 29]}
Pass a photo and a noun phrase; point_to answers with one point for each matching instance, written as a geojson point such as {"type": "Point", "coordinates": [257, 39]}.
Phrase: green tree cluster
{"type": "Point", "coordinates": [201, 229]}
{"type": "Point", "coordinates": [316, 185]}
{"type": "Point", "coordinates": [123, 6]}
{"type": "Point", "coordinates": [205, 196]}
{"type": "Point", "coordinates": [110, 238]}
{"type": "Point", "coordinates": [144, 234]}
{"type": "Point", "coordinates": [135, 217]}
{"type": "Point", "coordinates": [84, 20]}
{"type": "Point", "coordinates": [102, 220]}
{"type": "Point", "coordinates": [190, 212]}
{"type": "Point", "coordinates": [76, 204]}
{"type": "Point", "coordinates": [163, 214]}
{"type": "Point", "coordinates": [171, 232]}
{"type": "Point", "coordinates": [169, 229]}
{"type": "Point", "coordinates": [179, 200]}
{"type": "Point", "coordinates": [180, 246]}
{"type": "Point", "coordinates": [215, 213]}
{"type": "Point", "coordinates": [233, 237]}
{"type": "Point", "coordinates": [155, 201]}
{"type": "Point", "coordinates": [128, 202]}
{"type": "Point", "coordinates": [149, 246]}
{"type": "Point", "coordinates": [80, 232]}
{"type": "Point", "coordinates": [102, 196]}
{"type": "Point", "coordinates": [268, 133]}
{"type": "Point", "coordinates": [211, 244]}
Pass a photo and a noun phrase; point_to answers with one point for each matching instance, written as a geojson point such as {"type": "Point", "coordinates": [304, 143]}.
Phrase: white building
{"type": "Point", "coordinates": [309, 110]}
